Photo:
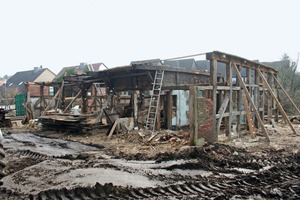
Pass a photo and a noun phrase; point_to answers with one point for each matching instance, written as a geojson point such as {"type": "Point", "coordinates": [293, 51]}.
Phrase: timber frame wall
{"type": "Point", "coordinates": [254, 95]}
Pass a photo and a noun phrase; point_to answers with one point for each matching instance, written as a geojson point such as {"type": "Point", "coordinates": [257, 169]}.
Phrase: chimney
{"type": "Point", "coordinates": [82, 65]}
{"type": "Point", "coordinates": [36, 69]}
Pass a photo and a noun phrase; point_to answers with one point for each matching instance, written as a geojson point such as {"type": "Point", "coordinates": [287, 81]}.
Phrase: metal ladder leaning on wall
{"type": "Point", "coordinates": [154, 100]}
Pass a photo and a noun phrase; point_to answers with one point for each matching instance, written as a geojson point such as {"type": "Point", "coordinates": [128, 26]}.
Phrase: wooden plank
{"type": "Point", "coordinates": [288, 96]}
{"type": "Point", "coordinates": [227, 88]}
{"type": "Point", "coordinates": [251, 102]}
{"type": "Point", "coordinates": [113, 128]}
{"type": "Point", "coordinates": [249, 117]}
{"type": "Point", "coordinates": [277, 102]}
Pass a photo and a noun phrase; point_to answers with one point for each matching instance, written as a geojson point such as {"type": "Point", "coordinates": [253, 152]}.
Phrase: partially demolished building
{"type": "Point", "coordinates": [234, 93]}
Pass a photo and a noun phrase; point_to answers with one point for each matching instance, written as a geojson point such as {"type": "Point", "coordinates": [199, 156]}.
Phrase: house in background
{"type": "Point", "coordinates": [15, 87]}
{"type": "Point", "coordinates": [38, 74]}
{"type": "Point", "coordinates": [78, 69]}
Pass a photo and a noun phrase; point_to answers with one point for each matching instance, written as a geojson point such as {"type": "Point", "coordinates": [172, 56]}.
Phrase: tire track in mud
{"type": "Point", "coordinates": [280, 180]}
{"type": "Point", "coordinates": [262, 184]}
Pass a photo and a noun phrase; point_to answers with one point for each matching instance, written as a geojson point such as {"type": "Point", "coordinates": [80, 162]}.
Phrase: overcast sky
{"type": "Point", "coordinates": [60, 33]}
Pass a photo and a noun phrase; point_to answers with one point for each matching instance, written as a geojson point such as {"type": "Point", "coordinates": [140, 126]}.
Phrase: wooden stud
{"type": "Point", "coordinates": [192, 108]}
{"type": "Point", "coordinates": [213, 82]}
{"type": "Point", "coordinates": [229, 109]}
{"type": "Point", "coordinates": [169, 109]}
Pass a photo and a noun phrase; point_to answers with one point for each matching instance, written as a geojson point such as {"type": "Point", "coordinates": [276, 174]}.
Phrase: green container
{"type": "Point", "coordinates": [19, 101]}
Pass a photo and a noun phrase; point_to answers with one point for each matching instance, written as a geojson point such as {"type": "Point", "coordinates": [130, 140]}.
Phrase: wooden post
{"type": "Point", "coordinates": [135, 107]}
{"type": "Point", "coordinates": [41, 97]}
{"type": "Point", "coordinates": [192, 113]}
{"type": "Point", "coordinates": [256, 96]}
{"type": "Point", "coordinates": [238, 74]}
{"type": "Point", "coordinates": [213, 82]}
{"type": "Point", "coordinates": [169, 109]}
{"type": "Point", "coordinates": [270, 100]}
{"type": "Point", "coordinates": [277, 102]}
{"type": "Point", "coordinates": [239, 102]}
{"type": "Point", "coordinates": [84, 98]}
{"type": "Point", "coordinates": [228, 119]}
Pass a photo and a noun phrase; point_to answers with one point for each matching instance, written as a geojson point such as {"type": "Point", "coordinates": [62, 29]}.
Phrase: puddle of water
{"type": "Point", "coordinates": [89, 176]}
{"type": "Point", "coordinates": [158, 168]}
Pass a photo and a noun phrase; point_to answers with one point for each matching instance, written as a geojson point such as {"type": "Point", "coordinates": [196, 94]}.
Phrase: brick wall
{"type": "Point", "coordinates": [205, 118]}
{"type": "Point", "coordinates": [35, 90]}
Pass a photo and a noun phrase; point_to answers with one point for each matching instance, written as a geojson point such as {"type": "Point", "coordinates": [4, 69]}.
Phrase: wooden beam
{"type": "Point", "coordinates": [228, 120]}
{"type": "Point", "coordinates": [239, 100]}
{"type": "Point", "coordinates": [72, 101]}
{"type": "Point", "coordinates": [213, 82]}
{"type": "Point", "coordinates": [277, 102]}
{"type": "Point", "coordinates": [249, 117]}
{"type": "Point", "coordinates": [251, 102]}
{"type": "Point", "coordinates": [169, 109]}
{"type": "Point", "coordinates": [113, 128]}
{"type": "Point", "coordinates": [288, 96]}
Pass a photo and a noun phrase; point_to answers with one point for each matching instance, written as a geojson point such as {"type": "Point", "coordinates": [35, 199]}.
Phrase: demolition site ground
{"type": "Point", "coordinates": [51, 165]}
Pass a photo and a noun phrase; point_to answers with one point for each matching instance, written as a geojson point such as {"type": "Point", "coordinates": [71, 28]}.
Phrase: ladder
{"type": "Point", "coordinates": [154, 100]}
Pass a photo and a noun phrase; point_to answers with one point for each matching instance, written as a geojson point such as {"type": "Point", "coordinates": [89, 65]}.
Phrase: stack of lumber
{"type": "Point", "coordinates": [69, 123]}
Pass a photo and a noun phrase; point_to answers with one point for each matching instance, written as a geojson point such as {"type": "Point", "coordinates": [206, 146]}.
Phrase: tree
{"type": "Point", "coordinates": [68, 72]}
{"type": "Point", "coordinates": [289, 78]}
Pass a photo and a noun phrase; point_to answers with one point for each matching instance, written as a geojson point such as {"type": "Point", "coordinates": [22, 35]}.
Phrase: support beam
{"type": "Point", "coordinates": [249, 117]}
{"type": "Point", "coordinates": [238, 74]}
{"type": "Point", "coordinates": [213, 82]}
{"type": "Point", "coordinates": [169, 109]}
{"type": "Point", "coordinates": [270, 100]}
{"type": "Point", "coordinates": [239, 100]}
{"type": "Point", "coordinates": [277, 102]}
{"type": "Point", "coordinates": [229, 109]}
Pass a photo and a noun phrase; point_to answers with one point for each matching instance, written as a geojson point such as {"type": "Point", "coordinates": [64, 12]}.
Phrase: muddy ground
{"type": "Point", "coordinates": [51, 165]}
